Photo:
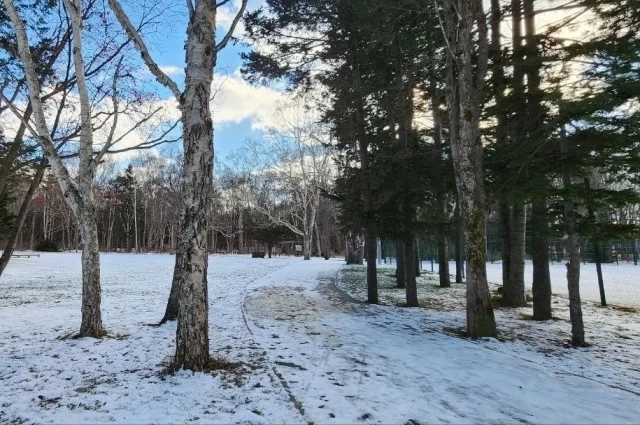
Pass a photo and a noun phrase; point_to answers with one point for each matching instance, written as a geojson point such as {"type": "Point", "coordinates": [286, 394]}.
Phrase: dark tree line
{"type": "Point", "coordinates": [443, 117]}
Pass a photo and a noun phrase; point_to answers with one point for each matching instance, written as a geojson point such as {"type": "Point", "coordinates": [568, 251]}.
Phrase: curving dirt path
{"type": "Point", "coordinates": [347, 362]}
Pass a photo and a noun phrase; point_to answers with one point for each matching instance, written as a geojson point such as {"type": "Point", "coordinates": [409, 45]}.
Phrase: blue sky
{"type": "Point", "coordinates": [240, 110]}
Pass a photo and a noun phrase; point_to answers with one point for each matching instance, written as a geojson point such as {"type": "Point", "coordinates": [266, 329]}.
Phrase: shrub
{"type": "Point", "coordinates": [47, 245]}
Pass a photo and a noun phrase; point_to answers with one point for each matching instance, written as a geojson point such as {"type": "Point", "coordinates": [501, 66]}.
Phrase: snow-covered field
{"type": "Point", "coordinates": [621, 281]}
{"type": "Point", "coordinates": [312, 354]}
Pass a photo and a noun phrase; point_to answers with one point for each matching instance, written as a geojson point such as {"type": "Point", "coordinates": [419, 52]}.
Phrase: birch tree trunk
{"type": "Point", "coordinates": [91, 292]}
{"type": "Point", "coordinates": [192, 335]}
{"type": "Point", "coordinates": [306, 242]}
{"type": "Point", "coordinates": [79, 196]}
{"type": "Point", "coordinates": [318, 241]}
{"type": "Point", "coordinates": [467, 159]}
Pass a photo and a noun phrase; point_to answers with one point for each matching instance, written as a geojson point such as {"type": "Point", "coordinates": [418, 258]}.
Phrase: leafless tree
{"type": "Point", "coordinates": [189, 300]}
{"type": "Point", "coordinates": [291, 169]}
{"type": "Point", "coordinates": [62, 136]}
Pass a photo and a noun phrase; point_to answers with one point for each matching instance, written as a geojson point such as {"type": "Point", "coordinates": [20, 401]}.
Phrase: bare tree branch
{"type": "Point", "coordinates": [133, 34]}
{"type": "Point", "coordinates": [43, 135]}
{"type": "Point", "coordinates": [114, 124]}
{"type": "Point", "coordinates": [232, 28]}
{"type": "Point", "coordinates": [190, 7]}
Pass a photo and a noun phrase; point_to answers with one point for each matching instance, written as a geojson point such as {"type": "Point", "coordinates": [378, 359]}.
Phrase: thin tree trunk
{"type": "Point", "coordinates": [443, 256]}
{"type": "Point", "coordinates": [573, 266]}
{"type": "Point", "coordinates": [541, 287]}
{"type": "Point", "coordinates": [371, 256]}
{"type": "Point", "coordinates": [505, 237]}
{"type": "Point", "coordinates": [318, 242]}
{"type": "Point", "coordinates": [400, 265]}
{"type": "Point", "coordinates": [459, 246]}
{"type": "Point", "coordinates": [416, 251]}
{"type": "Point", "coordinates": [33, 231]}
{"type": "Point", "coordinates": [513, 288]}
{"type": "Point", "coordinates": [443, 262]}
{"type": "Point", "coordinates": [541, 277]}
{"type": "Point", "coordinates": [410, 273]}
{"type": "Point", "coordinates": [367, 196]}
{"type": "Point", "coordinates": [22, 214]}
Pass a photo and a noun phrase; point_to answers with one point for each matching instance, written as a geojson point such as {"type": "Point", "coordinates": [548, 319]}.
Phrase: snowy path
{"type": "Point", "coordinates": [316, 356]}
{"type": "Point", "coordinates": [353, 363]}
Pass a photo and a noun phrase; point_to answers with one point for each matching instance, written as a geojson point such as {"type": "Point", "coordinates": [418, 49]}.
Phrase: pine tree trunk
{"type": "Point", "coordinates": [400, 265]}
{"type": "Point", "coordinates": [370, 236]}
{"type": "Point", "coordinates": [468, 162]}
{"type": "Point", "coordinates": [539, 223]}
{"type": "Point", "coordinates": [513, 289]}
{"type": "Point", "coordinates": [505, 238]}
{"type": "Point", "coordinates": [573, 266]}
{"type": "Point", "coordinates": [416, 263]}
{"type": "Point", "coordinates": [371, 254]}
{"type": "Point", "coordinates": [351, 252]}
{"type": "Point", "coordinates": [192, 334]}
{"type": "Point", "coordinates": [443, 262]}
{"type": "Point", "coordinates": [443, 255]}
{"type": "Point", "coordinates": [410, 273]}
{"type": "Point", "coordinates": [541, 278]}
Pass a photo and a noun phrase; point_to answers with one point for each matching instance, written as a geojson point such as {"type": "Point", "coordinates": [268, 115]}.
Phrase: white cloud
{"type": "Point", "coordinates": [236, 100]}
{"type": "Point", "coordinates": [172, 70]}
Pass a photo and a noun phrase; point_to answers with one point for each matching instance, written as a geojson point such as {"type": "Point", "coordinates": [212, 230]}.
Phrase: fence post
{"type": "Point", "coordinates": [596, 248]}
{"type": "Point", "coordinates": [634, 249]}
{"type": "Point", "coordinates": [431, 255]}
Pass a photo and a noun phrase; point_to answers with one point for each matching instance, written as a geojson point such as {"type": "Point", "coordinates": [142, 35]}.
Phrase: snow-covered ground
{"type": "Point", "coordinates": [621, 281]}
{"type": "Point", "coordinates": [312, 353]}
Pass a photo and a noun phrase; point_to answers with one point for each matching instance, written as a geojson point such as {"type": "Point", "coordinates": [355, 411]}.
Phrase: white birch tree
{"type": "Point", "coordinates": [188, 300]}
{"type": "Point", "coordinates": [36, 120]}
